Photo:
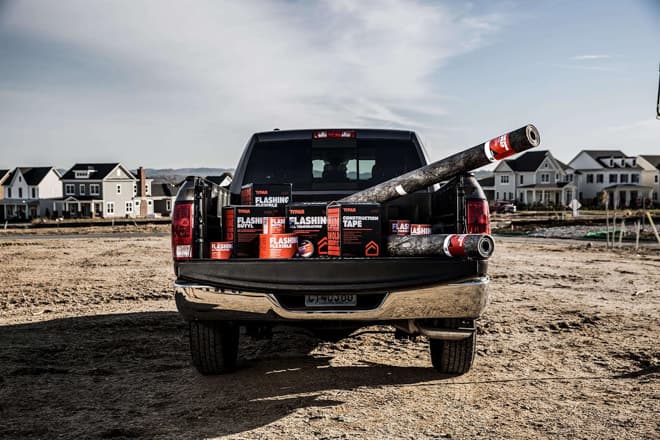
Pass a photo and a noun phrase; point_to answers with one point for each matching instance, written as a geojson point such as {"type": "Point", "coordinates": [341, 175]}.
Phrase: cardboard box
{"type": "Point", "coordinates": [308, 221]}
{"type": "Point", "coordinates": [354, 229]}
{"type": "Point", "coordinates": [266, 194]}
{"type": "Point", "coordinates": [242, 225]}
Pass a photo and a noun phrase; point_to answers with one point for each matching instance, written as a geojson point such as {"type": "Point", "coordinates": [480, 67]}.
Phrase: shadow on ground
{"type": "Point", "coordinates": [129, 376]}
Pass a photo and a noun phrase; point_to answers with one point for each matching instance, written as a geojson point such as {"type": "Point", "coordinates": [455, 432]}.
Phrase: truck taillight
{"type": "Point", "coordinates": [182, 231]}
{"type": "Point", "coordinates": [478, 217]}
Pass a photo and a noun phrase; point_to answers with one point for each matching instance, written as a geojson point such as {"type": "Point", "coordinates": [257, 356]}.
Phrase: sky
{"type": "Point", "coordinates": [176, 84]}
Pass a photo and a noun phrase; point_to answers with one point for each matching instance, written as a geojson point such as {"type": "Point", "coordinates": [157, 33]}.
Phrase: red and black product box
{"type": "Point", "coordinates": [308, 221]}
{"type": "Point", "coordinates": [354, 229]}
{"type": "Point", "coordinates": [266, 194]}
{"type": "Point", "coordinates": [242, 225]}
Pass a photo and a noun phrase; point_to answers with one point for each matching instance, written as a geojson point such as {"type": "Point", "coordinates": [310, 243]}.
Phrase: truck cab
{"type": "Point", "coordinates": [436, 297]}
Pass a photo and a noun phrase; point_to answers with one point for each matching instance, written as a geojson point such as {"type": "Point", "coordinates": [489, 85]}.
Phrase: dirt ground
{"type": "Point", "coordinates": [91, 347]}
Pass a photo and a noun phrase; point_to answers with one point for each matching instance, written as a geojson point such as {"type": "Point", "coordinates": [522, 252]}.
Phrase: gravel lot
{"type": "Point", "coordinates": [92, 347]}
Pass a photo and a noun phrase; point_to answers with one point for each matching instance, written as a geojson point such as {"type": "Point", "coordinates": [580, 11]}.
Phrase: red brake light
{"type": "Point", "coordinates": [333, 134]}
{"type": "Point", "coordinates": [478, 217]}
{"type": "Point", "coordinates": [182, 231]}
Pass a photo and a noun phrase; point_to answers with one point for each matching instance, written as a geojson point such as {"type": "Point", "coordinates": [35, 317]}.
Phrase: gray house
{"type": "Point", "coordinates": [98, 190]}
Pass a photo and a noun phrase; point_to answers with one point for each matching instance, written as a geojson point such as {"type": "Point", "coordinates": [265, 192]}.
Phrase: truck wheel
{"type": "Point", "coordinates": [453, 357]}
{"type": "Point", "coordinates": [214, 346]}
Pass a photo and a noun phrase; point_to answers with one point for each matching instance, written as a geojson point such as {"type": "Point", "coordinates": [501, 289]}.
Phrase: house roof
{"type": "Point", "coordinates": [653, 160]}
{"type": "Point", "coordinates": [32, 176]}
{"type": "Point", "coordinates": [164, 190]}
{"type": "Point", "coordinates": [3, 173]}
{"type": "Point", "coordinates": [563, 165]}
{"type": "Point", "coordinates": [101, 170]}
{"type": "Point", "coordinates": [596, 154]}
{"type": "Point", "coordinates": [600, 156]}
{"type": "Point", "coordinates": [487, 181]}
{"type": "Point", "coordinates": [528, 161]}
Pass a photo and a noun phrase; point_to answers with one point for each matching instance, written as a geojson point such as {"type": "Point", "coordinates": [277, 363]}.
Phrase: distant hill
{"type": "Point", "coordinates": [175, 175]}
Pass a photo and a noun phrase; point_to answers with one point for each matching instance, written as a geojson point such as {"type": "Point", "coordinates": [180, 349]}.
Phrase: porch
{"type": "Point", "coordinates": [72, 207]}
{"type": "Point", "coordinates": [556, 194]}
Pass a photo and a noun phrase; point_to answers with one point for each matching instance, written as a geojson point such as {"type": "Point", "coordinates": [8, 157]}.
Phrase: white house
{"type": "Point", "coordinates": [626, 182]}
{"type": "Point", "coordinates": [535, 177]}
{"type": "Point", "coordinates": [29, 192]}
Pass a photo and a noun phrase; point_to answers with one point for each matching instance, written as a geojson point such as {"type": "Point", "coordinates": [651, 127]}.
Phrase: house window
{"type": "Point", "coordinates": [497, 195]}
{"type": "Point", "coordinates": [146, 189]}
{"type": "Point", "coordinates": [556, 177]}
{"type": "Point", "coordinates": [504, 179]}
{"type": "Point", "coordinates": [135, 189]}
{"type": "Point", "coordinates": [613, 178]}
{"type": "Point", "coordinates": [20, 193]}
{"type": "Point", "coordinates": [656, 178]}
{"type": "Point", "coordinates": [590, 178]}
{"type": "Point", "coordinates": [20, 179]}
{"type": "Point", "coordinates": [510, 196]}
{"type": "Point", "coordinates": [9, 191]}
{"type": "Point", "coordinates": [150, 202]}
{"type": "Point", "coordinates": [69, 189]}
{"type": "Point", "coordinates": [110, 207]}
{"type": "Point", "coordinates": [599, 178]}
{"type": "Point", "coordinates": [129, 207]}
{"type": "Point", "coordinates": [94, 189]}
{"type": "Point", "coordinates": [34, 193]}
{"type": "Point", "coordinates": [570, 177]}
{"type": "Point", "coordinates": [611, 162]}
{"type": "Point", "coordinates": [634, 178]}
{"type": "Point", "coordinates": [521, 179]}
{"type": "Point", "coordinates": [118, 188]}
{"type": "Point", "coordinates": [624, 178]}
{"type": "Point", "coordinates": [545, 178]}
{"type": "Point", "coordinates": [81, 189]}
{"type": "Point", "coordinates": [168, 204]}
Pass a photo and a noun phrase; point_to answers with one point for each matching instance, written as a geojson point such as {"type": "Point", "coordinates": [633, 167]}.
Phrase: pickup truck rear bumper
{"type": "Point", "coordinates": [463, 298]}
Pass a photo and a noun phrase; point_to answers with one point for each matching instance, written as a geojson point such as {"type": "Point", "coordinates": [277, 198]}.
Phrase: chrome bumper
{"type": "Point", "coordinates": [461, 299]}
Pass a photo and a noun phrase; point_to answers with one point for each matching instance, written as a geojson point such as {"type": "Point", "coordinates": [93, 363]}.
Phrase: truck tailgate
{"type": "Point", "coordinates": [323, 275]}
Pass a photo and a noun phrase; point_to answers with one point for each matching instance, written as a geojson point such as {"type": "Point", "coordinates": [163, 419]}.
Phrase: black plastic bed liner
{"type": "Point", "coordinates": [328, 275]}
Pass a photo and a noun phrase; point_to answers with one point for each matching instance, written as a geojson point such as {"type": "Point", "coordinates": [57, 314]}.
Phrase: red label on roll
{"type": "Point", "coordinates": [454, 245]}
{"type": "Point", "coordinates": [500, 147]}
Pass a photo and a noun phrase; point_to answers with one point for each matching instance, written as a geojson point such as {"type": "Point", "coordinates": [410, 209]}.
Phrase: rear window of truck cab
{"type": "Point", "coordinates": [329, 164]}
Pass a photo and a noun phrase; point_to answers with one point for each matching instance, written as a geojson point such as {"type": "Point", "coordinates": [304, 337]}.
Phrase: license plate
{"type": "Point", "coordinates": [330, 300]}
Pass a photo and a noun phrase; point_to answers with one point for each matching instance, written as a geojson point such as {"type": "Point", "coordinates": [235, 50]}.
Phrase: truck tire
{"type": "Point", "coordinates": [453, 357]}
{"type": "Point", "coordinates": [214, 346]}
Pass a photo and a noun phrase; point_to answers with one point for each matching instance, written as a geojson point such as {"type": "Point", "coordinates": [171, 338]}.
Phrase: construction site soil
{"type": "Point", "coordinates": [92, 347]}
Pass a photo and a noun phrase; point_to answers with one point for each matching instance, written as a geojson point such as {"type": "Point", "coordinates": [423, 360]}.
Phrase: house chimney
{"type": "Point", "coordinates": [142, 191]}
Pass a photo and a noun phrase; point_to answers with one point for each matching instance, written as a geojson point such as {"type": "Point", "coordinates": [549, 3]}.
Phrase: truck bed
{"type": "Point", "coordinates": [327, 275]}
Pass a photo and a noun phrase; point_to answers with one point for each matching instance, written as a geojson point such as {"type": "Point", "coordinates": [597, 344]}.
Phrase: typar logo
{"type": "Point", "coordinates": [372, 249]}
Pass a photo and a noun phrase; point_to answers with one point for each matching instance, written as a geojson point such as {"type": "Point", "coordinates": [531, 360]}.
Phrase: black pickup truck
{"type": "Point", "coordinates": [436, 297]}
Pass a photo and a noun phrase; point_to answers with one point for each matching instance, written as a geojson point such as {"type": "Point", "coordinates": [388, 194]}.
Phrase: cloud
{"type": "Point", "coordinates": [590, 57]}
{"type": "Point", "coordinates": [221, 70]}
